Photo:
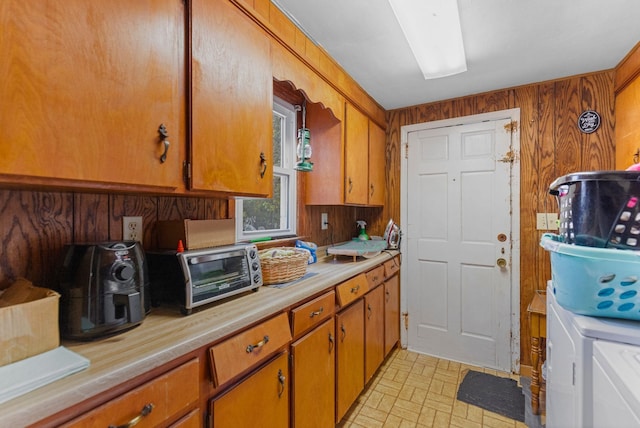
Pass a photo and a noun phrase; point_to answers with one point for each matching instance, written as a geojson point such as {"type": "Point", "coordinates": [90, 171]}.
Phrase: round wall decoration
{"type": "Point", "coordinates": [589, 121]}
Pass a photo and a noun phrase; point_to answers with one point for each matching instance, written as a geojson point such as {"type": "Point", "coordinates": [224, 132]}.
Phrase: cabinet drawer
{"type": "Point", "coordinates": [375, 276]}
{"type": "Point", "coordinates": [350, 290]}
{"type": "Point", "coordinates": [249, 348]}
{"type": "Point", "coordinates": [192, 420]}
{"type": "Point", "coordinates": [391, 267]}
{"type": "Point", "coordinates": [169, 396]}
{"type": "Point", "coordinates": [312, 313]}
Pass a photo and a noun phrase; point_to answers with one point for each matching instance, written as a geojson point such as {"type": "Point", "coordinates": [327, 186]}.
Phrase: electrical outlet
{"type": "Point", "coordinates": [324, 221]}
{"type": "Point", "coordinates": [547, 221]}
{"type": "Point", "coordinates": [132, 229]}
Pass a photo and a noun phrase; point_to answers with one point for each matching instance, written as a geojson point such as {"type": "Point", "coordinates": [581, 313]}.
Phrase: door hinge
{"type": "Point", "coordinates": [511, 127]}
{"type": "Point", "coordinates": [186, 172]}
{"type": "Point", "coordinates": [406, 150]}
{"type": "Point", "coordinates": [405, 317]}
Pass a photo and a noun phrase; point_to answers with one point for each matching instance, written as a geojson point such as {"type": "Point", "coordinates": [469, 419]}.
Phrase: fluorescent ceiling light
{"type": "Point", "coordinates": [432, 28]}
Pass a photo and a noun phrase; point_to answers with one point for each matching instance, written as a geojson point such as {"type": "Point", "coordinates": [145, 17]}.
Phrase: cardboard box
{"type": "Point", "coordinates": [28, 321]}
{"type": "Point", "coordinates": [195, 233]}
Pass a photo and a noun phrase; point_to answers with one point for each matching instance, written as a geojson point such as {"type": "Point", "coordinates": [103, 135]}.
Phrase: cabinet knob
{"type": "Point", "coordinates": [316, 313]}
{"type": "Point", "coordinates": [281, 379]}
{"type": "Point", "coordinates": [162, 130]}
{"type": "Point", "coordinates": [263, 162]}
{"type": "Point", "coordinates": [260, 344]}
{"type": "Point", "coordinates": [146, 410]}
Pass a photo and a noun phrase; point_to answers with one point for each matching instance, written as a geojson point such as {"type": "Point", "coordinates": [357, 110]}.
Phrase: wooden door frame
{"type": "Point", "coordinates": [514, 115]}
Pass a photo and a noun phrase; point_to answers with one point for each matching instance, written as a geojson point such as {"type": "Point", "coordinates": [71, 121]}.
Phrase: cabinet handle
{"type": "Point", "coordinates": [369, 310]}
{"type": "Point", "coordinates": [260, 344]}
{"type": "Point", "coordinates": [133, 422]}
{"type": "Point", "coordinates": [350, 184]}
{"type": "Point", "coordinates": [388, 294]}
{"type": "Point", "coordinates": [355, 289]}
{"type": "Point", "coordinates": [372, 190]}
{"type": "Point", "coordinates": [636, 156]}
{"type": "Point", "coordinates": [344, 331]}
{"type": "Point", "coordinates": [281, 380]}
{"type": "Point", "coordinates": [162, 130]}
{"type": "Point", "coordinates": [331, 344]}
{"type": "Point", "coordinates": [263, 162]}
{"type": "Point", "coordinates": [316, 313]}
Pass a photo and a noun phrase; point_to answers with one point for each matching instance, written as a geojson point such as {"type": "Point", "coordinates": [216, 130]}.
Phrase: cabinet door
{"type": "Point", "coordinates": [350, 357]}
{"type": "Point", "coordinates": [232, 101]}
{"type": "Point", "coordinates": [391, 313]}
{"type": "Point", "coordinates": [377, 164]}
{"type": "Point", "coordinates": [356, 156]}
{"type": "Point", "coordinates": [261, 399]}
{"type": "Point", "coordinates": [627, 132]}
{"type": "Point", "coordinates": [85, 87]}
{"type": "Point", "coordinates": [313, 377]}
{"type": "Point", "coordinates": [374, 331]}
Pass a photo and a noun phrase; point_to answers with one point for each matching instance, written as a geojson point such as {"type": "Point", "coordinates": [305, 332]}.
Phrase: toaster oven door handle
{"type": "Point", "coordinates": [260, 344]}
{"type": "Point", "coordinates": [212, 257]}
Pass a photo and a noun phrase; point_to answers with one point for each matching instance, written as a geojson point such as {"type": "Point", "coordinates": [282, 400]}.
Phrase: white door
{"type": "Point", "coordinates": [458, 236]}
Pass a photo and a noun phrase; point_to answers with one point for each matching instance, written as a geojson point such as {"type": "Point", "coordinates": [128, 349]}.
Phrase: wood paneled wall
{"type": "Point", "coordinates": [551, 145]}
{"type": "Point", "coordinates": [35, 226]}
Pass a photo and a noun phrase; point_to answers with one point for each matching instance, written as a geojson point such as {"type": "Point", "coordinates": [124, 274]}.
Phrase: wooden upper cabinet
{"type": "Point", "coordinates": [232, 102]}
{"type": "Point", "coordinates": [356, 156]}
{"type": "Point", "coordinates": [627, 132]}
{"type": "Point", "coordinates": [377, 164]}
{"type": "Point", "coordinates": [85, 87]}
{"type": "Point", "coordinates": [325, 182]}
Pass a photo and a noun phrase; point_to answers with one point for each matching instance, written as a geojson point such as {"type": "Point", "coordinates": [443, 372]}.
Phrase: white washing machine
{"type": "Point", "coordinates": [569, 364]}
{"type": "Point", "coordinates": [616, 385]}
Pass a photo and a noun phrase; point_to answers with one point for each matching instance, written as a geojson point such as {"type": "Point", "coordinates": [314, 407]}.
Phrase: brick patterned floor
{"type": "Point", "coordinates": [414, 390]}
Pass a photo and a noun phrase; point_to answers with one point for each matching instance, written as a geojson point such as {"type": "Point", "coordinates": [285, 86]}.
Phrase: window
{"type": "Point", "coordinates": [259, 217]}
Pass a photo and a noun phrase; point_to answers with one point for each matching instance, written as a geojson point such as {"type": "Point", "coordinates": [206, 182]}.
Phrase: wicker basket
{"type": "Point", "coordinates": [279, 269]}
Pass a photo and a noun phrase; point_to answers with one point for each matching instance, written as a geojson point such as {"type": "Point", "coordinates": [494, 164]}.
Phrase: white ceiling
{"type": "Point", "coordinates": [507, 43]}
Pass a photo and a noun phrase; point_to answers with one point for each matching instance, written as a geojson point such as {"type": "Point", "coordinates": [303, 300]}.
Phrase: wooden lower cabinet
{"type": "Point", "coordinates": [391, 313]}
{"type": "Point", "coordinates": [163, 399]}
{"type": "Point", "coordinates": [350, 356]}
{"type": "Point", "coordinates": [374, 331]}
{"type": "Point", "coordinates": [260, 400]}
{"type": "Point", "coordinates": [313, 377]}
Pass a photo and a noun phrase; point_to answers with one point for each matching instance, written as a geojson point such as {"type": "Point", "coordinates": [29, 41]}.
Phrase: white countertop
{"type": "Point", "coordinates": [165, 335]}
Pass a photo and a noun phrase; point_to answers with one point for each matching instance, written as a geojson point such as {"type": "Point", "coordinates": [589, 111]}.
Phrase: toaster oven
{"type": "Point", "coordinates": [197, 277]}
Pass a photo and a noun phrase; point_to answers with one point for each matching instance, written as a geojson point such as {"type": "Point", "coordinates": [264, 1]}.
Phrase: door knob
{"type": "Point", "coordinates": [502, 263]}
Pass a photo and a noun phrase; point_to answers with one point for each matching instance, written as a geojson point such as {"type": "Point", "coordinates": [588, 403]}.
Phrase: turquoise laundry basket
{"type": "Point", "coordinates": [602, 282]}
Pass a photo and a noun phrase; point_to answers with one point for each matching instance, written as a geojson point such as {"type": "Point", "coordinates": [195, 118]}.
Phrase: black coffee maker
{"type": "Point", "coordinates": [104, 289]}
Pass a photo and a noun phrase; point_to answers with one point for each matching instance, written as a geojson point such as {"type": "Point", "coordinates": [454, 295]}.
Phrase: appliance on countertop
{"type": "Point", "coordinates": [571, 393]}
{"type": "Point", "coordinates": [196, 277]}
{"type": "Point", "coordinates": [392, 235]}
{"type": "Point", "coordinates": [104, 289]}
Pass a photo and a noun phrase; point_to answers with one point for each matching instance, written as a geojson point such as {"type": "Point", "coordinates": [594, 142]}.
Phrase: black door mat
{"type": "Point", "coordinates": [496, 394]}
